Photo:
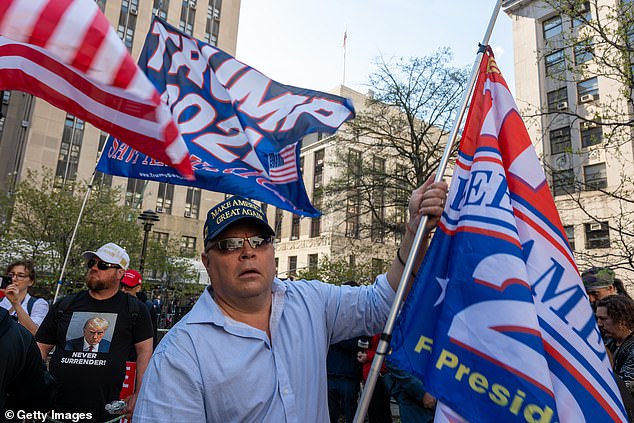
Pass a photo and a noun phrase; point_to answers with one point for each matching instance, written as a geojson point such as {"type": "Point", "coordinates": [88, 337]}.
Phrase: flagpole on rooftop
{"type": "Point", "coordinates": [345, 38]}
{"type": "Point", "coordinates": [383, 346]}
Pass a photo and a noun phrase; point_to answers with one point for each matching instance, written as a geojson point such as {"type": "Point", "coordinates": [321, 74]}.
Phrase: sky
{"type": "Point", "coordinates": [300, 42]}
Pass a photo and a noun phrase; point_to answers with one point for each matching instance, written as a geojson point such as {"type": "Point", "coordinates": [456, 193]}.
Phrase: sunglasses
{"type": "Point", "coordinates": [233, 244]}
{"type": "Point", "coordinates": [101, 265]}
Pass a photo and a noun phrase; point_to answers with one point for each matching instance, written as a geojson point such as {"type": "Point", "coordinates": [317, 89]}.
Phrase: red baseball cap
{"type": "Point", "coordinates": [131, 278]}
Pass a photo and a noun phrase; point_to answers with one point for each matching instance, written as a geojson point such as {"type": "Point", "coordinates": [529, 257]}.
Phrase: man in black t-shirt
{"type": "Point", "coordinates": [88, 380]}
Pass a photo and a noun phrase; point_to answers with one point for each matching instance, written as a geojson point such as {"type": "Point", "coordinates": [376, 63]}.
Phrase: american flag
{"type": "Point", "coordinates": [282, 165]}
{"type": "Point", "coordinates": [66, 52]}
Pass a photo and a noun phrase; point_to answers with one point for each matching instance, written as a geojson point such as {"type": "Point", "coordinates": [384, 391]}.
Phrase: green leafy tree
{"type": "Point", "coordinates": [44, 215]}
{"type": "Point", "coordinates": [338, 270]}
{"type": "Point", "coordinates": [169, 264]}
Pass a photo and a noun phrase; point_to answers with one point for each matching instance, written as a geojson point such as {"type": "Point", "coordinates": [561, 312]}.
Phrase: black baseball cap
{"type": "Point", "coordinates": [230, 211]}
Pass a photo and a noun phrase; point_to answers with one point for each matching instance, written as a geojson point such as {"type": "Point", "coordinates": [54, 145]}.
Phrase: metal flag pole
{"type": "Point", "coordinates": [345, 39]}
{"type": "Point", "coordinates": [384, 342]}
{"type": "Point", "coordinates": [72, 238]}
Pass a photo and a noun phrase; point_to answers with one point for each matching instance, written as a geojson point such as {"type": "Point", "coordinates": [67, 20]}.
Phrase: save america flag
{"type": "Point", "coordinates": [498, 325]}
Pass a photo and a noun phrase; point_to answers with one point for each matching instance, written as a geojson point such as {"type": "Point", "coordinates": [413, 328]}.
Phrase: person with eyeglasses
{"type": "Point", "coordinates": [93, 333]}
{"type": "Point", "coordinates": [253, 348]}
{"type": "Point", "coordinates": [29, 311]}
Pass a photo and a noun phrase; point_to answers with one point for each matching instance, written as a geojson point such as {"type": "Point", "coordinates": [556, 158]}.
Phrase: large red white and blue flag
{"type": "Point", "coordinates": [243, 130]}
{"type": "Point", "coordinates": [498, 325]}
{"type": "Point", "coordinates": [66, 52]}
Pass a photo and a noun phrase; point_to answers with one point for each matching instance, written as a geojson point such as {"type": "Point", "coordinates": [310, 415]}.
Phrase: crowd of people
{"type": "Point", "coordinates": [252, 348]}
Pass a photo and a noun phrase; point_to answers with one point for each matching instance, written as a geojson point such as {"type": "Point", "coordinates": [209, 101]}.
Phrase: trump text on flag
{"type": "Point", "coordinates": [243, 129]}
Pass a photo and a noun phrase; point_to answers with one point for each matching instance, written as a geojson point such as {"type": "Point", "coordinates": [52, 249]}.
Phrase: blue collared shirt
{"type": "Point", "coordinates": [210, 368]}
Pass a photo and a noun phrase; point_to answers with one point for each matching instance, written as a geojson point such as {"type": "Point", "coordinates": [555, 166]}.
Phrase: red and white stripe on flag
{"type": "Point", "coordinates": [66, 52]}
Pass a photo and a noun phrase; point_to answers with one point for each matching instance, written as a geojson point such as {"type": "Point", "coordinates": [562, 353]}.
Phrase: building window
{"type": "Point", "coordinates": [4, 108]}
{"type": "Point", "coordinates": [555, 63]}
{"type": "Point", "coordinates": [134, 193]}
{"type": "Point", "coordinates": [101, 4]}
{"type": "Point", "coordinates": [377, 232]}
{"type": "Point", "coordinates": [164, 198]}
{"type": "Point", "coordinates": [292, 266]}
{"type": "Point", "coordinates": [277, 263]}
{"type": "Point", "coordinates": [69, 150]}
{"type": "Point", "coordinates": [188, 13]}
{"type": "Point", "coordinates": [597, 235]}
{"type": "Point", "coordinates": [212, 27]}
{"type": "Point", "coordinates": [313, 261]}
{"type": "Point", "coordinates": [188, 244]}
{"type": "Point", "coordinates": [595, 177]}
{"type": "Point", "coordinates": [552, 27]}
{"type": "Point", "coordinates": [353, 200]}
{"type": "Point", "coordinates": [279, 215]}
{"type": "Point", "coordinates": [588, 90]}
{"type": "Point", "coordinates": [162, 238]}
{"type": "Point", "coordinates": [591, 134]}
{"type": "Point", "coordinates": [192, 203]}
{"type": "Point", "coordinates": [570, 234]}
{"type": "Point", "coordinates": [583, 15]}
{"type": "Point", "coordinates": [318, 180]}
{"type": "Point", "coordinates": [557, 100]}
{"type": "Point", "coordinates": [560, 140]}
{"type": "Point", "coordinates": [160, 8]}
{"type": "Point", "coordinates": [295, 227]}
{"type": "Point", "coordinates": [127, 21]}
{"type": "Point", "coordinates": [401, 195]}
{"type": "Point", "coordinates": [102, 179]}
{"type": "Point", "coordinates": [563, 182]}
{"type": "Point", "coordinates": [584, 52]}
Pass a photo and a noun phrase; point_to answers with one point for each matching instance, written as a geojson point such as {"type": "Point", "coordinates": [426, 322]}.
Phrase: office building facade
{"type": "Point", "coordinates": [577, 115]}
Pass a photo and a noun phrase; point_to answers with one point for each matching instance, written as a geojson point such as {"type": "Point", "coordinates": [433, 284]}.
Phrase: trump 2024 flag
{"type": "Point", "coordinates": [243, 130]}
{"type": "Point", "coordinates": [498, 325]}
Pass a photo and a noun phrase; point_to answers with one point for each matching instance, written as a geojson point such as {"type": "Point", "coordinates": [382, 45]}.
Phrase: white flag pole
{"type": "Point", "coordinates": [345, 42]}
{"type": "Point", "coordinates": [384, 343]}
{"type": "Point", "coordinates": [72, 238]}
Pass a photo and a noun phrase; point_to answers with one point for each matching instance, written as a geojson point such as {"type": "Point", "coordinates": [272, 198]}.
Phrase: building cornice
{"type": "Point", "coordinates": [511, 6]}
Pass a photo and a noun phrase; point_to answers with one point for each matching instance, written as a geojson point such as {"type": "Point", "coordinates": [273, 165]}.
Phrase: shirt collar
{"type": "Point", "coordinates": [207, 311]}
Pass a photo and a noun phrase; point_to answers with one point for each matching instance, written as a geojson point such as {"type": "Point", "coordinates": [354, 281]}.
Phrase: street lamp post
{"type": "Point", "coordinates": [148, 217]}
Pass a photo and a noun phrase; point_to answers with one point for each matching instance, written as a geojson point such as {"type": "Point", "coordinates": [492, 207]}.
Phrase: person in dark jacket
{"type": "Point", "coordinates": [24, 382]}
{"type": "Point", "coordinates": [415, 404]}
{"type": "Point", "coordinates": [344, 377]}
{"type": "Point", "coordinates": [615, 316]}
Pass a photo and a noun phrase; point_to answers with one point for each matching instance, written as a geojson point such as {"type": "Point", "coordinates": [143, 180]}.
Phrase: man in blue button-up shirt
{"type": "Point", "coordinates": [253, 348]}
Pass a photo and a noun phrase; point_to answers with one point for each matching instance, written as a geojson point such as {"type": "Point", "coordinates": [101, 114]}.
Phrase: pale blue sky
{"type": "Point", "coordinates": [299, 42]}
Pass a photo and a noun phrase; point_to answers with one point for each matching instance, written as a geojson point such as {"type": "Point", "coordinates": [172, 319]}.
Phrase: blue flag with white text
{"type": "Point", "coordinates": [498, 325]}
{"type": "Point", "coordinates": [243, 130]}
